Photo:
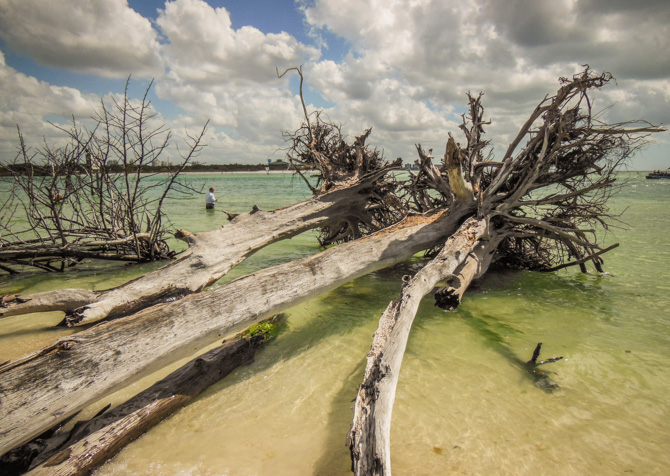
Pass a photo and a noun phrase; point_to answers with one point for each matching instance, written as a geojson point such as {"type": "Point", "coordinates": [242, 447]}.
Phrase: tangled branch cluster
{"type": "Point", "coordinates": [319, 148]}
{"type": "Point", "coordinates": [547, 195]}
{"type": "Point", "coordinates": [551, 195]}
{"type": "Point", "coordinates": [90, 198]}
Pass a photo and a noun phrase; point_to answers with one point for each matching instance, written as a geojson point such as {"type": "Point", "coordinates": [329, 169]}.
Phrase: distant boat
{"type": "Point", "coordinates": [659, 174]}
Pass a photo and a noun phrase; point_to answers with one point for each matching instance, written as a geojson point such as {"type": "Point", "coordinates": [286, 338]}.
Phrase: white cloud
{"type": "Point", "coordinates": [435, 51]}
{"type": "Point", "coordinates": [30, 104]}
{"type": "Point", "coordinates": [409, 66]}
{"type": "Point", "coordinates": [255, 114]}
{"type": "Point", "coordinates": [229, 77]}
{"type": "Point", "coordinates": [202, 47]}
{"type": "Point", "coordinates": [102, 37]}
{"type": "Point", "coordinates": [214, 72]}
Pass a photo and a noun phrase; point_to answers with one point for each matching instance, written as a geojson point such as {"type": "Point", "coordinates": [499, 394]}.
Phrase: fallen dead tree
{"type": "Point", "coordinates": [44, 388]}
{"type": "Point", "coordinates": [319, 145]}
{"type": "Point", "coordinates": [209, 257]}
{"type": "Point", "coordinates": [89, 198]}
{"type": "Point", "coordinates": [354, 198]}
{"type": "Point", "coordinates": [538, 207]}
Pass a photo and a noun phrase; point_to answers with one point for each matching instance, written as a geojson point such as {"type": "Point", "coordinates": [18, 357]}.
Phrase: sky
{"type": "Point", "coordinates": [402, 67]}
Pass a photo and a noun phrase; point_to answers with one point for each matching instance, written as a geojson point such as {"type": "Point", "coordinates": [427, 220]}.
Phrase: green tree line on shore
{"type": "Point", "coordinates": [42, 170]}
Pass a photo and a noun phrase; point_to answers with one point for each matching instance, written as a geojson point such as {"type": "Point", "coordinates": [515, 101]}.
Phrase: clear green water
{"type": "Point", "coordinates": [463, 404]}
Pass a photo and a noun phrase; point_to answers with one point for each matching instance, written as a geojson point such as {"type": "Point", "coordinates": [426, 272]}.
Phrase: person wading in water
{"type": "Point", "coordinates": [210, 199]}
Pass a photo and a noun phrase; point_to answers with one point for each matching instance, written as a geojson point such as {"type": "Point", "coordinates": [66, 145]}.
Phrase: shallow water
{"type": "Point", "coordinates": [465, 404]}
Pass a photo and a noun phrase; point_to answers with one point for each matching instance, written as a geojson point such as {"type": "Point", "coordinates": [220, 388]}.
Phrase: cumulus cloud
{"type": "Point", "coordinates": [409, 65]}
{"type": "Point", "coordinates": [213, 72]}
{"type": "Point", "coordinates": [436, 51]}
{"type": "Point", "coordinates": [31, 104]}
{"type": "Point", "coordinates": [255, 115]}
{"type": "Point", "coordinates": [229, 77]}
{"type": "Point", "coordinates": [202, 47]}
{"type": "Point", "coordinates": [102, 37]}
{"type": "Point", "coordinates": [624, 37]}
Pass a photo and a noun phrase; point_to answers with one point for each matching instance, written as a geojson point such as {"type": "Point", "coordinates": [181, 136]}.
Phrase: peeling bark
{"type": "Point", "coordinates": [452, 160]}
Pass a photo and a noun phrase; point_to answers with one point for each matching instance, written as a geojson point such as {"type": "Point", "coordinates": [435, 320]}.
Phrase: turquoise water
{"type": "Point", "coordinates": [464, 405]}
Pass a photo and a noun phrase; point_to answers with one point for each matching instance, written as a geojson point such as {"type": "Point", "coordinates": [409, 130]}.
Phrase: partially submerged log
{"type": "Point", "coordinates": [46, 387]}
{"type": "Point", "coordinates": [89, 444]}
{"type": "Point", "coordinates": [542, 378]}
{"type": "Point", "coordinates": [369, 437]}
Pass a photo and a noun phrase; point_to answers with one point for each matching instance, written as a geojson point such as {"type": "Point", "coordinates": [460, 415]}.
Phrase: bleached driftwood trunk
{"type": "Point", "coordinates": [369, 437]}
{"type": "Point", "coordinates": [91, 444]}
{"type": "Point", "coordinates": [209, 257]}
{"type": "Point", "coordinates": [46, 387]}
{"type": "Point", "coordinates": [543, 203]}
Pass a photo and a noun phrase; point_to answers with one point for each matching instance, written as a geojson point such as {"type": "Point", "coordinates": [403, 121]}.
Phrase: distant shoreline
{"type": "Point", "coordinates": [41, 170]}
{"type": "Point", "coordinates": [255, 172]}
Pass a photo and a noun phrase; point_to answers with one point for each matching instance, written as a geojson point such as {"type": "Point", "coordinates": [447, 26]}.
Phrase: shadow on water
{"type": "Point", "coordinates": [528, 369]}
{"type": "Point", "coordinates": [25, 332]}
{"type": "Point", "coordinates": [337, 313]}
{"type": "Point", "coordinates": [333, 462]}
{"type": "Point", "coordinates": [543, 298]}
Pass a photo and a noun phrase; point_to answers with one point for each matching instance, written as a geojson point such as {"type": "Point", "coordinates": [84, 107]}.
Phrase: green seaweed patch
{"type": "Point", "coordinates": [268, 329]}
{"type": "Point", "coordinates": [260, 328]}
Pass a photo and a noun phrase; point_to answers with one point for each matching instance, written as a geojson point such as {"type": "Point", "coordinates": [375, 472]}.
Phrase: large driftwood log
{"type": "Point", "coordinates": [92, 443]}
{"type": "Point", "coordinates": [209, 257]}
{"type": "Point", "coordinates": [369, 437]}
{"type": "Point", "coordinates": [46, 387]}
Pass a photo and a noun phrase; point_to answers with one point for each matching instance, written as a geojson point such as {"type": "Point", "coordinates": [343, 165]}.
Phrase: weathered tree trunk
{"type": "Point", "coordinates": [92, 443]}
{"type": "Point", "coordinates": [369, 437]}
{"type": "Point", "coordinates": [46, 387]}
{"type": "Point", "coordinates": [209, 257]}
{"type": "Point", "coordinates": [543, 203]}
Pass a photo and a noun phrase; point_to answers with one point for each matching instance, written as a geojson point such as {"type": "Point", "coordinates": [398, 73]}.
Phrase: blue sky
{"type": "Point", "coordinates": [402, 67]}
